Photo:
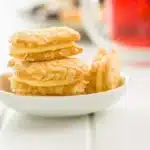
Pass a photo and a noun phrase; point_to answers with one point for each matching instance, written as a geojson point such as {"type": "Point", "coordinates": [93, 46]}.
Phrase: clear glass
{"type": "Point", "coordinates": [128, 21]}
{"type": "Point", "coordinates": [90, 20]}
{"type": "Point", "coordinates": [126, 28]}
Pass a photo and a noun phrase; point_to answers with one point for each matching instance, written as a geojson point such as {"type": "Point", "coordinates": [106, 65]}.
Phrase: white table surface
{"type": "Point", "coordinates": [125, 126]}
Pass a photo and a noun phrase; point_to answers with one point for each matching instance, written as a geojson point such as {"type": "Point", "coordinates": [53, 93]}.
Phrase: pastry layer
{"type": "Point", "coordinates": [25, 89]}
{"type": "Point", "coordinates": [39, 37]}
{"type": "Point", "coordinates": [65, 71]}
{"type": "Point", "coordinates": [49, 55]}
{"type": "Point", "coordinates": [51, 83]}
{"type": "Point", "coordinates": [51, 48]}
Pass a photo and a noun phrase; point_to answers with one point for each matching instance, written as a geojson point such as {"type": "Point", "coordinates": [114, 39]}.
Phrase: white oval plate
{"type": "Point", "coordinates": [63, 105]}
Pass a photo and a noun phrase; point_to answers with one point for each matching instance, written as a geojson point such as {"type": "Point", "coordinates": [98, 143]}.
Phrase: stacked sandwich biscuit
{"type": "Point", "coordinates": [105, 72]}
{"type": "Point", "coordinates": [42, 65]}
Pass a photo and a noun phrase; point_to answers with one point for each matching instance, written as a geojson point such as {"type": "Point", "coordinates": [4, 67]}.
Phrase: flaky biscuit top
{"type": "Point", "coordinates": [40, 37]}
{"type": "Point", "coordinates": [69, 70]}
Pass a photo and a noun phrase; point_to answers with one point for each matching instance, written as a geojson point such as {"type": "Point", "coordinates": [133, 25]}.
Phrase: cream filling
{"type": "Point", "coordinates": [43, 84]}
{"type": "Point", "coordinates": [15, 50]}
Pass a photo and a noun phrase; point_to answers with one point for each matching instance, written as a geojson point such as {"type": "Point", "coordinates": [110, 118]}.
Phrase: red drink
{"type": "Point", "coordinates": [130, 21]}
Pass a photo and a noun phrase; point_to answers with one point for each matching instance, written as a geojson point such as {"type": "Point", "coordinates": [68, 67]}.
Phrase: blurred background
{"type": "Point", "coordinates": [46, 13]}
{"type": "Point", "coordinates": [129, 31]}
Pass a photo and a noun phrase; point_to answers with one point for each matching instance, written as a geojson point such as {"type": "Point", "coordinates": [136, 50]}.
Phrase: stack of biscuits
{"type": "Point", "coordinates": [42, 64]}
{"type": "Point", "coordinates": [105, 72]}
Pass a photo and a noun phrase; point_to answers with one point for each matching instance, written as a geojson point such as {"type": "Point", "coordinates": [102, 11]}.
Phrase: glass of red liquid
{"type": "Point", "coordinates": [127, 22]}
{"type": "Point", "coordinates": [130, 21]}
